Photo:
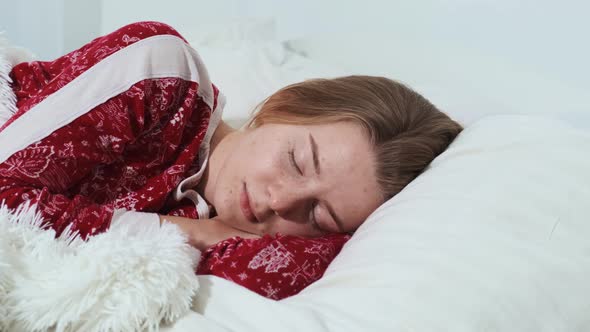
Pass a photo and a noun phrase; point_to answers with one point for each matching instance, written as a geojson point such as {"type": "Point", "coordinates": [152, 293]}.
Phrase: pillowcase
{"type": "Point", "coordinates": [466, 78]}
{"type": "Point", "coordinates": [492, 236]}
{"type": "Point", "coordinates": [248, 63]}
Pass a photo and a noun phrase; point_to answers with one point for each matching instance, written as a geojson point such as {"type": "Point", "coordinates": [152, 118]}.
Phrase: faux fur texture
{"type": "Point", "coordinates": [9, 57]}
{"type": "Point", "coordinates": [129, 278]}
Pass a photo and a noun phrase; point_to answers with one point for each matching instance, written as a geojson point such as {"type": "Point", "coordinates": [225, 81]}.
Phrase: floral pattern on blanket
{"type": "Point", "coordinates": [274, 267]}
{"type": "Point", "coordinates": [129, 152]}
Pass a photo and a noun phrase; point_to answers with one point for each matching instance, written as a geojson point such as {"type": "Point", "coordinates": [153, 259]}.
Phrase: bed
{"type": "Point", "coordinates": [491, 237]}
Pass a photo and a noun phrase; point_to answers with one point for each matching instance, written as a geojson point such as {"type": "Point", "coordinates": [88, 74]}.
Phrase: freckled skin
{"type": "Point", "coordinates": [275, 163]}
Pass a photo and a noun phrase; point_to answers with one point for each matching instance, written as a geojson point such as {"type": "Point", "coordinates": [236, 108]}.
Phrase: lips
{"type": "Point", "coordinates": [245, 205]}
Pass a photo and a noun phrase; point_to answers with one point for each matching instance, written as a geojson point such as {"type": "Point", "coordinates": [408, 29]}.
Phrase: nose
{"type": "Point", "coordinates": [290, 201]}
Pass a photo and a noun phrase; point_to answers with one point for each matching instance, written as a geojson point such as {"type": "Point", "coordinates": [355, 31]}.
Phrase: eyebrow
{"type": "Point", "coordinates": [314, 153]}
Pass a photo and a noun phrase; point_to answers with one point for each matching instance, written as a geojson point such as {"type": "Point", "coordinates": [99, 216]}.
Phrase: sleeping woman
{"type": "Point", "coordinates": [129, 127]}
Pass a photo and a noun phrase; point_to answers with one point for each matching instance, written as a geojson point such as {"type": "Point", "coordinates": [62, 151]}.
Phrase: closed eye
{"type": "Point", "coordinates": [312, 217]}
{"type": "Point", "coordinates": [294, 162]}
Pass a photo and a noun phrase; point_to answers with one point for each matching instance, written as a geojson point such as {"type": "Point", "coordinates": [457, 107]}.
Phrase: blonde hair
{"type": "Point", "coordinates": [406, 131]}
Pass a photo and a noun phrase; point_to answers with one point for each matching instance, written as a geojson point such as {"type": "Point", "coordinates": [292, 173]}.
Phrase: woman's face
{"type": "Point", "coordinates": [303, 180]}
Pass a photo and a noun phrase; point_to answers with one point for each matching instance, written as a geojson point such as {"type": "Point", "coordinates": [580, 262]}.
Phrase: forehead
{"type": "Point", "coordinates": [347, 171]}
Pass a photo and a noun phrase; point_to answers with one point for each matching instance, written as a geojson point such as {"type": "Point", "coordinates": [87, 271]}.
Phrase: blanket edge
{"type": "Point", "coordinates": [31, 257]}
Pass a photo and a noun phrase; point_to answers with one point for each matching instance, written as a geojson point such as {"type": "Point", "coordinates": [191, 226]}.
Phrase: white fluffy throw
{"type": "Point", "coordinates": [129, 278]}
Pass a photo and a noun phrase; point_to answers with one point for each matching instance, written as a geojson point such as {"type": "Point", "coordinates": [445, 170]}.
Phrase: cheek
{"type": "Point", "coordinates": [225, 191]}
{"type": "Point", "coordinates": [248, 162]}
{"type": "Point", "coordinates": [261, 160]}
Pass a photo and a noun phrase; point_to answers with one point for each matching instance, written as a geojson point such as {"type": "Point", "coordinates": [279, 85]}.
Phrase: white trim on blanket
{"type": "Point", "coordinates": [153, 57]}
{"type": "Point", "coordinates": [183, 190]}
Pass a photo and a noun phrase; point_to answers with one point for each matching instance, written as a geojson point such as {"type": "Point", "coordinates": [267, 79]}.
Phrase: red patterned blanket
{"type": "Point", "coordinates": [118, 125]}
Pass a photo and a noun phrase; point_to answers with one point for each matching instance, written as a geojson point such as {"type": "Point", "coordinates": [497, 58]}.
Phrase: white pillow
{"type": "Point", "coordinates": [493, 236]}
{"type": "Point", "coordinates": [249, 74]}
{"type": "Point", "coordinates": [231, 34]}
{"type": "Point", "coordinates": [460, 76]}
{"type": "Point", "coordinates": [248, 64]}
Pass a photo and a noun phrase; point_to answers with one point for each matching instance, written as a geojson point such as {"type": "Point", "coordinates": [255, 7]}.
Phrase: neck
{"type": "Point", "coordinates": [220, 146]}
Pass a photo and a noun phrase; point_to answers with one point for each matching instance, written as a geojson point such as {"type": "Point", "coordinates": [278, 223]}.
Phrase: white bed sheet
{"type": "Point", "coordinates": [493, 236]}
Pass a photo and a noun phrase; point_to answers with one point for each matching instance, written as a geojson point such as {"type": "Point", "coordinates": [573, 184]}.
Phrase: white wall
{"type": "Point", "coordinates": [36, 24]}
{"type": "Point", "coordinates": [50, 28]}
{"type": "Point", "coordinates": [81, 22]}
{"type": "Point", "coordinates": [506, 55]}
{"type": "Point", "coordinates": [184, 15]}
{"type": "Point", "coordinates": [545, 35]}
{"type": "Point", "coordinates": [480, 55]}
